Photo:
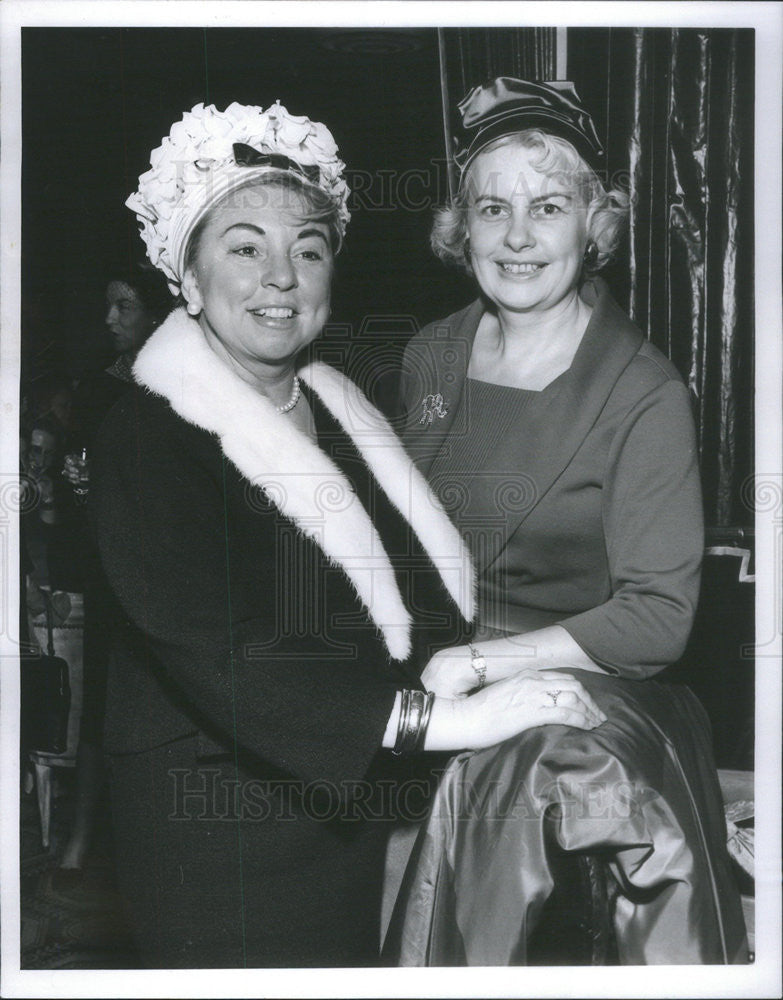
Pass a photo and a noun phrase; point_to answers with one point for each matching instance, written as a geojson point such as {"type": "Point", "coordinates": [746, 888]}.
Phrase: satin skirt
{"type": "Point", "coordinates": [641, 792]}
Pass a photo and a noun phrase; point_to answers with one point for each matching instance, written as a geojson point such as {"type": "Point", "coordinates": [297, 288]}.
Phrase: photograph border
{"type": "Point", "coordinates": [758, 980]}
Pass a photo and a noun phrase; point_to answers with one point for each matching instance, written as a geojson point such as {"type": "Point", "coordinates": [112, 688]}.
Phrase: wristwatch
{"type": "Point", "coordinates": [479, 665]}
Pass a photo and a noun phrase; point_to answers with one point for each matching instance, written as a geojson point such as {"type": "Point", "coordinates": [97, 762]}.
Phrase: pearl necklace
{"type": "Point", "coordinates": [286, 407]}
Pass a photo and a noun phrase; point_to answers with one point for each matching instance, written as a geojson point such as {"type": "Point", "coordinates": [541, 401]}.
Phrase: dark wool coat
{"type": "Point", "coordinates": [95, 396]}
{"type": "Point", "coordinates": [270, 621]}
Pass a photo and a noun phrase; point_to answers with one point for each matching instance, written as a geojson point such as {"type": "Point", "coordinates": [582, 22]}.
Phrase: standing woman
{"type": "Point", "coordinates": [563, 444]}
{"type": "Point", "coordinates": [137, 301]}
{"type": "Point", "coordinates": [284, 571]}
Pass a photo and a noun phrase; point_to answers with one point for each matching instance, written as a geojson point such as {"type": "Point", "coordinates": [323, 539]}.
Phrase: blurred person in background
{"type": "Point", "coordinates": [137, 301]}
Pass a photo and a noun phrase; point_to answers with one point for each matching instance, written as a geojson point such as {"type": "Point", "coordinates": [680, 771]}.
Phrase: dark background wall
{"type": "Point", "coordinates": [674, 108]}
{"type": "Point", "coordinates": [97, 101]}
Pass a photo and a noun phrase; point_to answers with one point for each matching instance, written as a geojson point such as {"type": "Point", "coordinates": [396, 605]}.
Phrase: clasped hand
{"type": "Point", "coordinates": [523, 700]}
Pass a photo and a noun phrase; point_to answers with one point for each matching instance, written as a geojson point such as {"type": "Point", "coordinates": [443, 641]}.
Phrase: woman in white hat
{"type": "Point", "coordinates": [285, 573]}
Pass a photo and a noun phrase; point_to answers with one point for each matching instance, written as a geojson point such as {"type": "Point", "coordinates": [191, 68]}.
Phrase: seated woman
{"type": "Point", "coordinates": [562, 443]}
{"type": "Point", "coordinates": [284, 572]}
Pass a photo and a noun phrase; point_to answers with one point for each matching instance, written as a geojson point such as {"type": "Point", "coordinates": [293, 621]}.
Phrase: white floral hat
{"type": "Point", "coordinates": [211, 153]}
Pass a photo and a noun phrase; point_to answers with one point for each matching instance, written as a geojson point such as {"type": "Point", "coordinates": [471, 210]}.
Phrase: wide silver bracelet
{"type": "Point", "coordinates": [415, 711]}
{"type": "Point", "coordinates": [402, 722]}
{"type": "Point", "coordinates": [410, 738]}
{"type": "Point", "coordinates": [425, 721]}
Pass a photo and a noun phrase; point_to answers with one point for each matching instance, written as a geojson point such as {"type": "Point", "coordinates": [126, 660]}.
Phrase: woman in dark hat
{"type": "Point", "coordinates": [562, 442]}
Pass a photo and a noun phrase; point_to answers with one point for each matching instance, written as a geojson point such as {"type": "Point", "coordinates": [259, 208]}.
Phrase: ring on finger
{"type": "Point", "coordinates": [554, 695]}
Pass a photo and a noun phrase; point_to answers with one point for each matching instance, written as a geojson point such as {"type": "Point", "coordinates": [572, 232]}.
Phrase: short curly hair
{"type": "Point", "coordinates": [607, 211]}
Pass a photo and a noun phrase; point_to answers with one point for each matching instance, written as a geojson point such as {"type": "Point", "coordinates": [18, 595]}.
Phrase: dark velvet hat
{"type": "Point", "coordinates": [505, 106]}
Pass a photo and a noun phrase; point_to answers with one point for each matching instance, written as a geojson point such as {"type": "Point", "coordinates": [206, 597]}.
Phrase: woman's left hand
{"type": "Point", "coordinates": [450, 673]}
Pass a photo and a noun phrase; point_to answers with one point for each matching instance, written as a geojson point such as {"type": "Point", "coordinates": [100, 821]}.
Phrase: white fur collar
{"type": "Point", "coordinates": [302, 482]}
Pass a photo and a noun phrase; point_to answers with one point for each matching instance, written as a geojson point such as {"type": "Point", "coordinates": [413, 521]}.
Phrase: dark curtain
{"type": "Point", "coordinates": [471, 56]}
{"type": "Point", "coordinates": [478, 54]}
{"type": "Point", "coordinates": [674, 108]}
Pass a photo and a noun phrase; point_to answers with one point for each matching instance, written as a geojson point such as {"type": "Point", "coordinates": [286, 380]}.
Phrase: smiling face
{"type": "Point", "coordinates": [128, 319]}
{"type": "Point", "coordinates": [261, 279]}
{"type": "Point", "coordinates": [527, 230]}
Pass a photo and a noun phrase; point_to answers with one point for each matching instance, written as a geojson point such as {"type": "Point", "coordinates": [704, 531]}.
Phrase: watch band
{"type": "Point", "coordinates": [479, 665]}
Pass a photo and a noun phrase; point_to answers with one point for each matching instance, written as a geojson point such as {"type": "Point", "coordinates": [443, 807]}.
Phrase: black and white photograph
{"type": "Point", "coordinates": [391, 522]}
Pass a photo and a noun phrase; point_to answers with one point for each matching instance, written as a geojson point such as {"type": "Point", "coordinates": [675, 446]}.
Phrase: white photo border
{"type": "Point", "coordinates": [759, 980]}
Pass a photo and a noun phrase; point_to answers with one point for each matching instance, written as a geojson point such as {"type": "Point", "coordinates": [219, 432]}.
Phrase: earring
{"type": "Point", "coordinates": [591, 254]}
{"type": "Point", "coordinates": [193, 309]}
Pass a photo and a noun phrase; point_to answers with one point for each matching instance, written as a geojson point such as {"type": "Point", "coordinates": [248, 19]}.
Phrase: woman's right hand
{"type": "Point", "coordinates": [523, 701]}
{"type": "Point", "coordinates": [504, 709]}
{"type": "Point", "coordinates": [76, 470]}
